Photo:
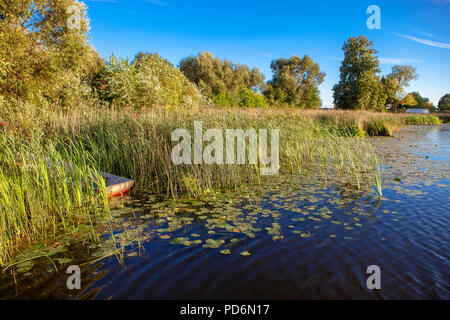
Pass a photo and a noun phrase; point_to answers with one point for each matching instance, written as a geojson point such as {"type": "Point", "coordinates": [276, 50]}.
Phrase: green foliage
{"type": "Point", "coordinates": [377, 127]}
{"type": "Point", "coordinates": [251, 99]}
{"type": "Point", "coordinates": [224, 99]}
{"type": "Point", "coordinates": [444, 103]}
{"type": "Point", "coordinates": [423, 103]}
{"type": "Point", "coordinates": [421, 119]}
{"type": "Point", "coordinates": [245, 98]}
{"type": "Point", "coordinates": [395, 83]}
{"type": "Point", "coordinates": [295, 82]}
{"type": "Point", "coordinates": [116, 84]}
{"type": "Point", "coordinates": [41, 196]}
{"type": "Point", "coordinates": [359, 87]}
{"type": "Point", "coordinates": [148, 81]}
{"type": "Point", "coordinates": [42, 50]}
{"type": "Point", "coordinates": [215, 77]}
{"type": "Point", "coordinates": [161, 84]}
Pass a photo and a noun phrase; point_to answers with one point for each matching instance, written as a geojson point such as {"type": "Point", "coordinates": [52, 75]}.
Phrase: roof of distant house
{"type": "Point", "coordinates": [417, 111]}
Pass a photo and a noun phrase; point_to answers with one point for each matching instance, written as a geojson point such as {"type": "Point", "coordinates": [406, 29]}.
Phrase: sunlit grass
{"type": "Point", "coordinates": [139, 147]}
{"type": "Point", "coordinates": [46, 188]}
{"type": "Point", "coordinates": [50, 182]}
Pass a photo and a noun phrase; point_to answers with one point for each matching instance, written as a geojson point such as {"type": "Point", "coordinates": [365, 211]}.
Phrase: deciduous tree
{"type": "Point", "coordinates": [359, 87]}
{"type": "Point", "coordinates": [295, 82]}
{"type": "Point", "coordinates": [408, 101]}
{"type": "Point", "coordinates": [217, 77]}
{"type": "Point", "coordinates": [42, 53]}
{"type": "Point", "coordinates": [396, 82]}
{"type": "Point", "coordinates": [423, 103]}
{"type": "Point", "coordinates": [444, 103]}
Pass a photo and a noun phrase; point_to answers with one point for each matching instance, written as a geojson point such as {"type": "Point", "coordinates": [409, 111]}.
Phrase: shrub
{"type": "Point", "coordinates": [224, 99]}
{"type": "Point", "coordinates": [251, 99]}
{"type": "Point", "coordinates": [116, 83]}
{"type": "Point", "coordinates": [159, 83]}
{"type": "Point", "coordinates": [148, 81]}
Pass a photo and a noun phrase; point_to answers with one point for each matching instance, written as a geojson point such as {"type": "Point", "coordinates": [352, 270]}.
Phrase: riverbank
{"type": "Point", "coordinates": [276, 240]}
{"type": "Point", "coordinates": [42, 202]}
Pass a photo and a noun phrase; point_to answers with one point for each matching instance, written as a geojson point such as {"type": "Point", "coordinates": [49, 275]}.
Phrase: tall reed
{"type": "Point", "coordinates": [140, 148]}
{"type": "Point", "coordinates": [46, 188]}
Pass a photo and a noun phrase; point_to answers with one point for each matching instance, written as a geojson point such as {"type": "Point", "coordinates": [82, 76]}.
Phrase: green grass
{"type": "Point", "coordinates": [139, 147]}
{"type": "Point", "coordinates": [41, 197]}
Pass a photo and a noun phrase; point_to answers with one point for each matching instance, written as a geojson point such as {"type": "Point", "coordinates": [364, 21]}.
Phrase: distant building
{"type": "Point", "coordinates": [418, 111]}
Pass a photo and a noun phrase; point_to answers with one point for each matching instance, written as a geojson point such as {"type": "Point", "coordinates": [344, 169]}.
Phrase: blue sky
{"type": "Point", "coordinates": [415, 32]}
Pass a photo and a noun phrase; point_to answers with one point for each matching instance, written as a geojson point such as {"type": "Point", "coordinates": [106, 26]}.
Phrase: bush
{"type": "Point", "coordinates": [159, 83]}
{"type": "Point", "coordinates": [148, 81]}
{"type": "Point", "coordinates": [251, 99]}
{"type": "Point", "coordinates": [116, 83]}
{"type": "Point", "coordinates": [224, 99]}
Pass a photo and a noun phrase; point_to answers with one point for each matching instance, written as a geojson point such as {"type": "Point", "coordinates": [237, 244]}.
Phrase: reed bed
{"type": "Point", "coordinates": [139, 147]}
{"type": "Point", "coordinates": [46, 189]}
{"type": "Point", "coordinates": [42, 197]}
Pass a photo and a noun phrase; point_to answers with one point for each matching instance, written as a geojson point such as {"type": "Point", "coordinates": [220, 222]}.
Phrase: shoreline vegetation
{"type": "Point", "coordinates": [60, 102]}
{"type": "Point", "coordinates": [41, 199]}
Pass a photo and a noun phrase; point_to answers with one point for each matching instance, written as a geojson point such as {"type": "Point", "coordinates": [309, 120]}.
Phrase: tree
{"type": "Point", "coordinates": [395, 83]}
{"type": "Point", "coordinates": [214, 76]}
{"type": "Point", "coordinates": [359, 87]}
{"type": "Point", "coordinates": [408, 101]}
{"type": "Point", "coordinates": [295, 82]}
{"type": "Point", "coordinates": [147, 81]}
{"type": "Point", "coordinates": [444, 103]}
{"type": "Point", "coordinates": [44, 55]}
{"type": "Point", "coordinates": [423, 103]}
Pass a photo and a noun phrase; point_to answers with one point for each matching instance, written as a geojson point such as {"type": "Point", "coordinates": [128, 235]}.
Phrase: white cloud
{"type": "Point", "coordinates": [399, 61]}
{"type": "Point", "coordinates": [427, 42]}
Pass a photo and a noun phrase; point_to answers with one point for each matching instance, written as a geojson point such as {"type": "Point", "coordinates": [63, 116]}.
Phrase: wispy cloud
{"type": "Point", "coordinates": [110, 1]}
{"type": "Point", "coordinates": [427, 42]}
{"type": "Point", "coordinates": [158, 3]}
{"type": "Point", "coordinates": [428, 35]}
{"type": "Point", "coordinates": [399, 60]}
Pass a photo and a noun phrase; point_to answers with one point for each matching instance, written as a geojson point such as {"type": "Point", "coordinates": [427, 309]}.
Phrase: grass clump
{"type": "Point", "coordinates": [42, 196]}
{"type": "Point", "coordinates": [139, 147]}
{"type": "Point", "coordinates": [421, 120]}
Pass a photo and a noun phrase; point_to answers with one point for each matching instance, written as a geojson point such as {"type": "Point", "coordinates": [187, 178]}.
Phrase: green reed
{"type": "Point", "coordinates": [140, 148]}
{"type": "Point", "coordinates": [51, 186]}
{"type": "Point", "coordinates": [46, 188]}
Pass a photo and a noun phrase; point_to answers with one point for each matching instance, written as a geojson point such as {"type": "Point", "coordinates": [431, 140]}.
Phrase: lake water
{"type": "Point", "coordinates": [294, 238]}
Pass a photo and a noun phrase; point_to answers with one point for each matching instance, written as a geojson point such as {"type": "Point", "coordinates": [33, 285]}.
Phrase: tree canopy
{"type": "Point", "coordinates": [359, 87]}
{"type": "Point", "coordinates": [423, 103]}
{"type": "Point", "coordinates": [214, 75]}
{"type": "Point", "coordinates": [444, 103]}
{"type": "Point", "coordinates": [396, 82]}
{"type": "Point", "coordinates": [147, 81]}
{"type": "Point", "coordinates": [295, 82]}
{"type": "Point", "coordinates": [408, 101]}
{"type": "Point", "coordinates": [44, 55]}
